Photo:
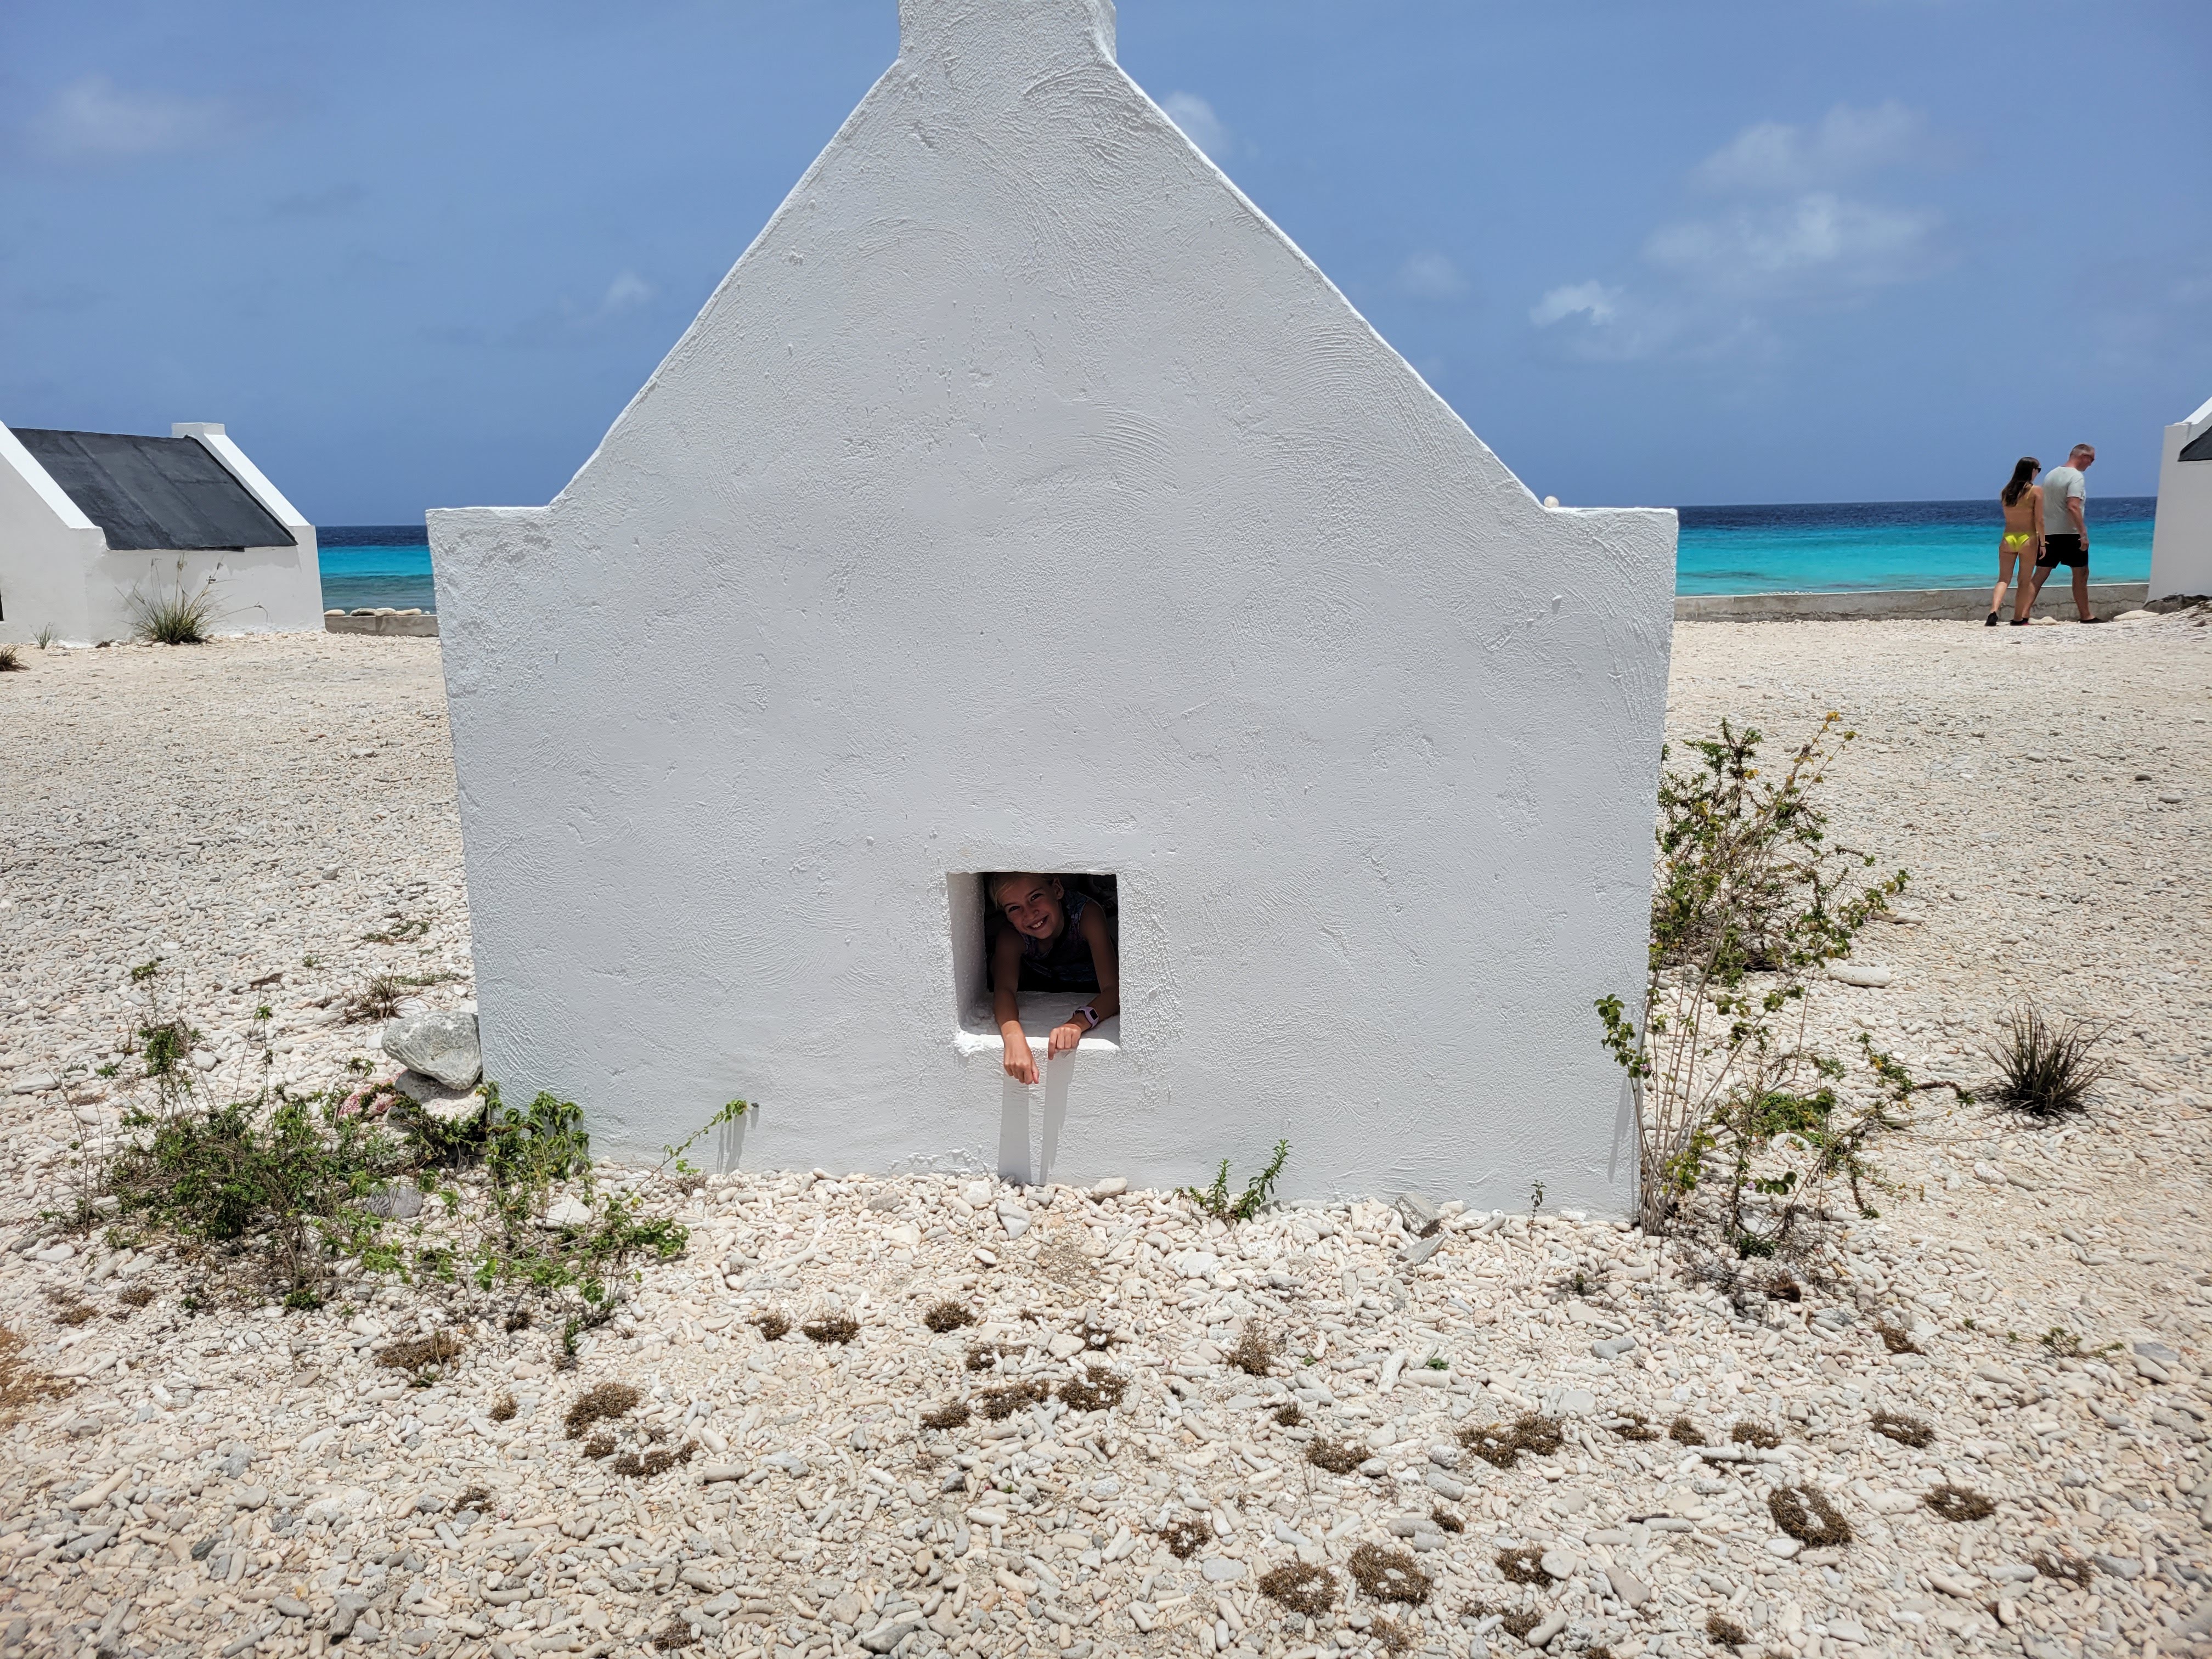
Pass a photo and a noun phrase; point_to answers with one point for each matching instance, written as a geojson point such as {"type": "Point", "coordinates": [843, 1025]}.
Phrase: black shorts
{"type": "Point", "coordinates": [2065, 550]}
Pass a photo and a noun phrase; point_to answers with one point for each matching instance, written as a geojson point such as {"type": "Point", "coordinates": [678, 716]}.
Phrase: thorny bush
{"type": "Point", "coordinates": [1744, 1122]}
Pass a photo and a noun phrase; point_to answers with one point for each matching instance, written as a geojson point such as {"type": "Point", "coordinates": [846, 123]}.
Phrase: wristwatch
{"type": "Point", "coordinates": [1089, 1016]}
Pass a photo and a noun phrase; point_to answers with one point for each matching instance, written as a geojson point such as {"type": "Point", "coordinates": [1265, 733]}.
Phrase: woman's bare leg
{"type": "Point", "coordinates": [2006, 558]}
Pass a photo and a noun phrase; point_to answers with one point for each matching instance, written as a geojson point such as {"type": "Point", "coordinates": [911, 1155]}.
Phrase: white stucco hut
{"type": "Point", "coordinates": [1024, 500]}
{"type": "Point", "coordinates": [91, 522]}
{"type": "Point", "coordinates": [2181, 539]}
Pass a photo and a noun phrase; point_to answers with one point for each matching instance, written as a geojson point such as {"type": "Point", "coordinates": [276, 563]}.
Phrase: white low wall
{"type": "Point", "coordinates": [1966, 604]}
{"type": "Point", "coordinates": [2181, 541]}
{"type": "Point", "coordinates": [1025, 499]}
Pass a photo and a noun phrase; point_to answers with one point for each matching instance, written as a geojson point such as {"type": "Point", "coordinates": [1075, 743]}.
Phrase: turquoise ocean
{"type": "Point", "coordinates": [1805, 547]}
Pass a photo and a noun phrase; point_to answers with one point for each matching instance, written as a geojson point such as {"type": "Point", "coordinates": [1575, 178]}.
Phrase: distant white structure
{"type": "Point", "coordinates": [2181, 541]}
{"type": "Point", "coordinates": [92, 521]}
{"type": "Point", "coordinates": [1025, 499]}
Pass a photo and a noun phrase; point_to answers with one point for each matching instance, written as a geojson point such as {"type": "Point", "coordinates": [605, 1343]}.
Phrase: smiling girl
{"type": "Point", "coordinates": [1054, 940]}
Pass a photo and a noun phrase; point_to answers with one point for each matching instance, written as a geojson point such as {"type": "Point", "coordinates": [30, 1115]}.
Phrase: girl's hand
{"type": "Point", "coordinates": [1065, 1037]}
{"type": "Point", "coordinates": [1021, 1065]}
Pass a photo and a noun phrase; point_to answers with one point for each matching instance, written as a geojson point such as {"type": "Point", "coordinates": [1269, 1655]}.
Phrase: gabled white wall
{"type": "Point", "coordinates": [1024, 499]}
{"type": "Point", "coordinates": [2181, 540]}
{"type": "Point", "coordinates": [57, 569]}
{"type": "Point", "coordinates": [45, 547]}
{"type": "Point", "coordinates": [264, 590]}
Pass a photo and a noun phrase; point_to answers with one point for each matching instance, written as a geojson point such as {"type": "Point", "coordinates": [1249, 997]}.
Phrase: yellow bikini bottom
{"type": "Point", "coordinates": [2013, 544]}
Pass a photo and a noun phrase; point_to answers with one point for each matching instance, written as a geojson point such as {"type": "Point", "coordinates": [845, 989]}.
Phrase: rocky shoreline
{"type": "Point", "coordinates": [1516, 1428]}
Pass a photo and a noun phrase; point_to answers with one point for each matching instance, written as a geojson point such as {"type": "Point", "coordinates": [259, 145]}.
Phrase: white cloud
{"type": "Point", "coordinates": [1787, 239]}
{"type": "Point", "coordinates": [1593, 300]}
{"type": "Point", "coordinates": [94, 120]}
{"type": "Point", "coordinates": [627, 292]}
{"type": "Point", "coordinates": [1431, 276]}
{"type": "Point", "coordinates": [1845, 143]}
{"type": "Point", "coordinates": [1818, 246]}
{"type": "Point", "coordinates": [1199, 122]}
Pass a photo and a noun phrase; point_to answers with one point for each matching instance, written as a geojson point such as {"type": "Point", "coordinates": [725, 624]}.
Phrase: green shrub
{"type": "Point", "coordinates": [1215, 1200]}
{"type": "Point", "coordinates": [1750, 901]}
{"type": "Point", "coordinates": [176, 618]}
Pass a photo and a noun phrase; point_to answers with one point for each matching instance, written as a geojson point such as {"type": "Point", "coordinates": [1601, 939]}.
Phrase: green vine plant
{"type": "Point", "coordinates": [1745, 1123]}
{"type": "Point", "coordinates": [1215, 1200]}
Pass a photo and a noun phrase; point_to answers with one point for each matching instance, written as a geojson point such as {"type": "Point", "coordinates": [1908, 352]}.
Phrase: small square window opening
{"type": "Point", "coordinates": [1042, 929]}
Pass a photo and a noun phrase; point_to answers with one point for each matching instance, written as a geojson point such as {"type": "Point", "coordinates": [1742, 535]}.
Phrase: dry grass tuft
{"type": "Point", "coordinates": [1523, 1564]}
{"type": "Point", "coordinates": [138, 1296]}
{"type": "Point", "coordinates": [837, 1328]}
{"type": "Point", "coordinates": [1748, 1433]}
{"type": "Point", "coordinates": [1515, 1622]}
{"type": "Point", "coordinates": [1337, 1457]}
{"type": "Point", "coordinates": [1633, 1425]}
{"type": "Point", "coordinates": [1446, 1520]}
{"type": "Point", "coordinates": [1390, 1635]}
{"type": "Point", "coordinates": [1002, 1402]}
{"type": "Point", "coordinates": [982, 1358]}
{"type": "Point", "coordinates": [1185, 1538]}
{"type": "Point", "coordinates": [658, 1461]}
{"type": "Point", "coordinates": [673, 1635]}
{"type": "Point", "coordinates": [1905, 1431]}
{"type": "Point", "coordinates": [1896, 1338]}
{"type": "Point", "coordinates": [1501, 1444]}
{"type": "Point", "coordinates": [945, 1316]}
{"type": "Point", "coordinates": [1725, 1630]}
{"type": "Point", "coordinates": [1288, 1415]}
{"type": "Point", "coordinates": [2065, 1566]}
{"type": "Point", "coordinates": [1391, 1575]}
{"type": "Point", "coordinates": [603, 1402]}
{"type": "Point", "coordinates": [22, 1385]}
{"type": "Point", "coordinates": [1254, 1354]}
{"type": "Point", "coordinates": [599, 1445]}
{"type": "Point", "coordinates": [1684, 1432]}
{"type": "Point", "coordinates": [1301, 1587]}
{"type": "Point", "coordinates": [502, 1409]}
{"type": "Point", "coordinates": [1096, 1390]}
{"type": "Point", "coordinates": [773, 1325]}
{"type": "Point", "coordinates": [1961, 1503]}
{"type": "Point", "coordinates": [953, 1414]}
{"type": "Point", "coordinates": [377, 999]}
{"type": "Point", "coordinates": [417, 1353]}
{"type": "Point", "coordinates": [517, 1320]}
{"type": "Point", "coordinates": [2045, 1071]}
{"type": "Point", "coordinates": [1806, 1514]}
{"type": "Point", "coordinates": [81, 1314]}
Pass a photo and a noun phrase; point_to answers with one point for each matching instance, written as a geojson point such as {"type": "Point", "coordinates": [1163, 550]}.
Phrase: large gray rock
{"type": "Point", "coordinates": [439, 1045]}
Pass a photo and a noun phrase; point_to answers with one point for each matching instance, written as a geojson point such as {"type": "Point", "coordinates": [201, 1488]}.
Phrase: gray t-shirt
{"type": "Point", "coordinates": [2057, 484]}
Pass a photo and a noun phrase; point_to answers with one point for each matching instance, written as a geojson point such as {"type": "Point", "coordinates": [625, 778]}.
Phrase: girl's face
{"type": "Point", "coordinates": [1032, 904]}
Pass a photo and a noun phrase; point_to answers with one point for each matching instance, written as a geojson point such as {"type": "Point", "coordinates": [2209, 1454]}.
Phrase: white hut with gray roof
{"type": "Point", "coordinates": [1025, 500]}
{"type": "Point", "coordinates": [94, 525]}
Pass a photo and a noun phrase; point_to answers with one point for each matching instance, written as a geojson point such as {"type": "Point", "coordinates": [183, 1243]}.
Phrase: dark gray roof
{"type": "Point", "coordinates": [2198, 448]}
{"type": "Point", "coordinates": [154, 492]}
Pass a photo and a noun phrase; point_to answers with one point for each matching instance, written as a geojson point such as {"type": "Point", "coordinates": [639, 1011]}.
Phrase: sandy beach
{"type": "Point", "coordinates": [275, 820]}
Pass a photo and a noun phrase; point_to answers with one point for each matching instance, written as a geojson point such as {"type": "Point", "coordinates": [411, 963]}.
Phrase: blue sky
{"type": "Point", "coordinates": [420, 255]}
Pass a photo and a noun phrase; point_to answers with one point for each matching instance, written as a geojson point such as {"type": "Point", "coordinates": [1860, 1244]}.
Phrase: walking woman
{"type": "Point", "coordinates": [2022, 543]}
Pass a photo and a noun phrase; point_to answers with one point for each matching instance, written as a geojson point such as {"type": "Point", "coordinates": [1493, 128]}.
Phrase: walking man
{"type": "Point", "coordinates": [2065, 534]}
